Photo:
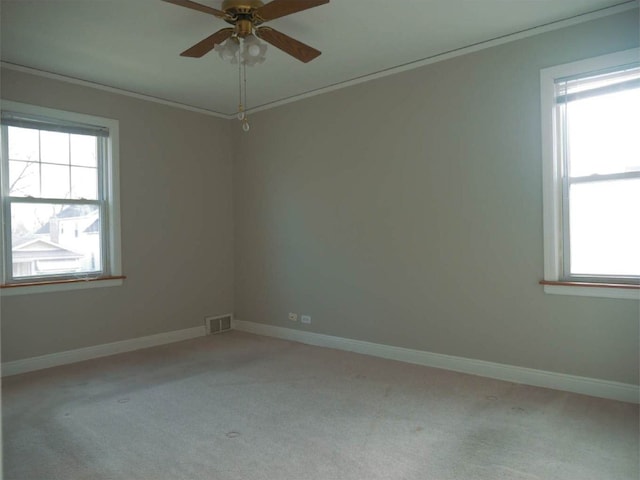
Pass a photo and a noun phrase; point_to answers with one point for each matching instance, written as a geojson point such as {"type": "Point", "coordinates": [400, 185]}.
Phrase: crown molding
{"type": "Point", "coordinates": [586, 17]}
{"type": "Point", "coordinates": [107, 88]}
{"type": "Point", "coordinates": [530, 32]}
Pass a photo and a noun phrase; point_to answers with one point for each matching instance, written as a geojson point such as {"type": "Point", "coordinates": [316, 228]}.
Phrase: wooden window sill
{"type": "Point", "coordinates": [60, 285]}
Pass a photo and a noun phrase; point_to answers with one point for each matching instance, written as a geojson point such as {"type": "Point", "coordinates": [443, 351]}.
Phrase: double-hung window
{"type": "Point", "coordinates": [591, 155]}
{"type": "Point", "coordinates": [59, 198]}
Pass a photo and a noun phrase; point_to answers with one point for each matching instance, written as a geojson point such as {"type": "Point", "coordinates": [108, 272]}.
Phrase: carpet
{"type": "Point", "coordinates": [241, 406]}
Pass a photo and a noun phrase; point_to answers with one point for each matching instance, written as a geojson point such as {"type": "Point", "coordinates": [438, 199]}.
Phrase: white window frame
{"type": "Point", "coordinates": [111, 192]}
{"type": "Point", "coordinates": [552, 179]}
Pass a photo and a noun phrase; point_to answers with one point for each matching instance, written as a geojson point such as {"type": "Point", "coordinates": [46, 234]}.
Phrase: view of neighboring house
{"type": "Point", "coordinates": [39, 256]}
{"type": "Point", "coordinates": [68, 243]}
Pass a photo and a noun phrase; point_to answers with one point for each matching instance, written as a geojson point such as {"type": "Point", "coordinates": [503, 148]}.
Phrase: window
{"type": "Point", "coordinates": [591, 169]}
{"type": "Point", "coordinates": [60, 212]}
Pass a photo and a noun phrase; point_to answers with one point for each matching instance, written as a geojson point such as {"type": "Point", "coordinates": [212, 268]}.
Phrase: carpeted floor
{"type": "Point", "coordinates": [244, 407]}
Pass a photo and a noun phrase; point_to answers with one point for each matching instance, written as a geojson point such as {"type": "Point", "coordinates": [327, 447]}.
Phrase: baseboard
{"type": "Point", "coordinates": [559, 381]}
{"type": "Point", "coordinates": [528, 376]}
{"type": "Point", "coordinates": [80, 354]}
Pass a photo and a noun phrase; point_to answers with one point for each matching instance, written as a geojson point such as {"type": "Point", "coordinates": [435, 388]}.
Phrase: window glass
{"type": "Point", "coordinates": [24, 178]}
{"type": "Point", "coordinates": [84, 183]}
{"type": "Point", "coordinates": [603, 133]}
{"type": "Point", "coordinates": [54, 147]}
{"type": "Point", "coordinates": [83, 150]}
{"type": "Point", "coordinates": [55, 181]}
{"type": "Point", "coordinates": [605, 228]}
{"type": "Point", "coordinates": [24, 144]}
{"type": "Point", "coordinates": [57, 239]}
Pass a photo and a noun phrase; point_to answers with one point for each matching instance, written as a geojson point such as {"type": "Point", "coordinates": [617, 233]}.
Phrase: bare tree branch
{"type": "Point", "coordinates": [23, 174]}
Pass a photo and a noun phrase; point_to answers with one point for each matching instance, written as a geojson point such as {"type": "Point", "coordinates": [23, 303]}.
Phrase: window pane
{"type": "Point", "coordinates": [24, 179]}
{"type": "Point", "coordinates": [605, 230]}
{"type": "Point", "coordinates": [23, 144]}
{"type": "Point", "coordinates": [603, 134]}
{"type": "Point", "coordinates": [84, 183]}
{"type": "Point", "coordinates": [55, 239]}
{"type": "Point", "coordinates": [55, 181]}
{"type": "Point", "coordinates": [54, 147]}
{"type": "Point", "coordinates": [84, 150]}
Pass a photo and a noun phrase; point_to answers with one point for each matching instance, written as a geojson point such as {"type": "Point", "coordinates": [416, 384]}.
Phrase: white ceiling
{"type": "Point", "coordinates": [134, 45]}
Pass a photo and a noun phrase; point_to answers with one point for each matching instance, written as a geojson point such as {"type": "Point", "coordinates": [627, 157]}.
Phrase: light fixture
{"type": "Point", "coordinates": [243, 44]}
{"type": "Point", "coordinates": [253, 51]}
{"type": "Point", "coordinates": [243, 49]}
{"type": "Point", "coordinates": [228, 50]}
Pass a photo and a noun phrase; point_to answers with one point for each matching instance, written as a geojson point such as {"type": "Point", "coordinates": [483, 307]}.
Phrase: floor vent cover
{"type": "Point", "coordinates": [218, 324]}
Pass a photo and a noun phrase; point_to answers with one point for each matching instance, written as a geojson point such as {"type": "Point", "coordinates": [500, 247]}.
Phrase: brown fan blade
{"type": "Point", "coordinates": [289, 45]}
{"type": "Point", "coordinates": [198, 7]}
{"type": "Point", "coordinates": [206, 45]}
{"type": "Point", "coordinates": [280, 8]}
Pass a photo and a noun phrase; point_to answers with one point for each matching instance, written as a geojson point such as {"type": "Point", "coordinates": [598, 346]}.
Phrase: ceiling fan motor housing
{"type": "Point", "coordinates": [238, 5]}
{"type": "Point", "coordinates": [240, 13]}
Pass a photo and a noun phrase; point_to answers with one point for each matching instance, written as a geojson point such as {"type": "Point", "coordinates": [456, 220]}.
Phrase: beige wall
{"type": "Point", "coordinates": [405, 211]}
{"type": "Point", "coordinates": [408, 211]}
{"type": "Point", "coordinates": [177, 244]}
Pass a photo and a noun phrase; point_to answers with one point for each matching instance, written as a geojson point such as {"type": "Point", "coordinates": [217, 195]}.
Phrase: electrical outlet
{"type": "Point", "coordinates": [305, 319]}
{"type": "Point", "coordinates": [293, 317]}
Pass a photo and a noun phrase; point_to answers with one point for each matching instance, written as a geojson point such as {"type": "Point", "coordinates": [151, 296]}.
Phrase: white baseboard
{"type": "Point", "coordinates": [528, 376]}
{"type": "Point", "coordinates": [80, 354]}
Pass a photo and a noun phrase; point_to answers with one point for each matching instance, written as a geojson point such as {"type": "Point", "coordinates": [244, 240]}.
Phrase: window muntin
{"type": "Point", "coordinates": [46, 164]}
{"type": "Point", "coordinates": [59, 185]}
{"type": "Point", "coordinates": [591, 171]}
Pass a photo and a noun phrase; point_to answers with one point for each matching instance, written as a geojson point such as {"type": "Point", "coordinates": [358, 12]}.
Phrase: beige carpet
{"type": "Point", "coordinates": [243, 407]}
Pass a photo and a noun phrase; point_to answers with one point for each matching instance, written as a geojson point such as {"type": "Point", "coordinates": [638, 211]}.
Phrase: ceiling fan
{"type": "Point", "coordinates": [247, 16]}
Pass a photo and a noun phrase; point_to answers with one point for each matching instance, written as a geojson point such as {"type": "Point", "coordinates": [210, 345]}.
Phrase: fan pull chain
{"type": "Point", "coordinates": [240, 105]}
{"type": "Point", "coordinates": [245, 120]}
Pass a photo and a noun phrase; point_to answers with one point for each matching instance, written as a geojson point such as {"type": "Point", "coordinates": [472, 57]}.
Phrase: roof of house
{"type": "Point", "coordinates": [73, 211]}
{"type": "Point", "coordinates": [38, 248]}
{"type": "Point", "coordinates": [94, 227]}
{"type": "Point", "coordinates": [76, 211]}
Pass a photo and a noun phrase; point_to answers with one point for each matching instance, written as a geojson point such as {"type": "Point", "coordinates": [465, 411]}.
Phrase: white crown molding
{"type": "Point", "coordinates": [527, 376]}
{"type": "Point", "coordinates": [623, 7]}
{"type": "Point", "coordinates": [106, 88]}
{"type": "Point", "coordinates": [97, 351]}
{"type": "Point", "coordinates": [587, 17]}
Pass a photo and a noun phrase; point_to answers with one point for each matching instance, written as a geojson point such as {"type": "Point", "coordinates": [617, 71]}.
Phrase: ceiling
{"type": "Point", "coordinates": [135, 45]}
